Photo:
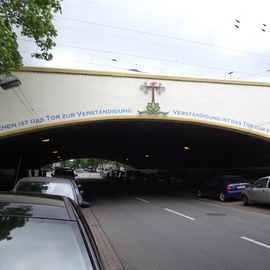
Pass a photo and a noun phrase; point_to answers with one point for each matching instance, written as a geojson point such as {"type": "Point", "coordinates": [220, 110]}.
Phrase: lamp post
{"type": "Point", "coordinates": [230, 73]}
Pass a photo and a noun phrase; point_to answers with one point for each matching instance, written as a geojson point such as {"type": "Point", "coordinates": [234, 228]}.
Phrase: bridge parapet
{"type": "Point", "coordinates": [48, 98]}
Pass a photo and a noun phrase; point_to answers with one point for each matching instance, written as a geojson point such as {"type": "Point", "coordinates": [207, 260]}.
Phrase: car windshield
{"type": "Point", "coordinates": [29, 243]}
{"type": "Point", "coordinates": [62, 189]}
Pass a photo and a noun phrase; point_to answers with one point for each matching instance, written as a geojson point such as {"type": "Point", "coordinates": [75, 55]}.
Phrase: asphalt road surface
{"type": "Point", "coordinates": [166, 229]}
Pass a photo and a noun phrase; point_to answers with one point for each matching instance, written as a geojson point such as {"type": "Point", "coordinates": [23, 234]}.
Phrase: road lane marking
{"type": "Point", "coordinates": [179, 214]}
{"type": "Point", "coordinates": [142, 200]}
{"type": "Point", "coordinates": [255, 242]}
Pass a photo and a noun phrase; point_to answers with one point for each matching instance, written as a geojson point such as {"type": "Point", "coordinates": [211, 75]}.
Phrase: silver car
{"type": "Point", "coordinates": [259, 192]}
{"type": "Point", "coordinates": [51, 185]}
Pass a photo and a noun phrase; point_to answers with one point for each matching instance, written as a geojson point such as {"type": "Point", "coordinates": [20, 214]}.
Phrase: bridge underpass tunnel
{"type": "Point", "coordinates": [198, 150]}
{"type": "Point", "coordinates": [197, 125]}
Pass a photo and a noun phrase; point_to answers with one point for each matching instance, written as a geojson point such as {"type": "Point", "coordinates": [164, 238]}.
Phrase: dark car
{"type": "Point", "coordinates": [44, 232]}
{"type": "Point", "coordinates": [134, 176]}
{"type": "Point", "coordinates": [64, 172]}
{"type": "Point", "coordinates": [223, 187]}
{"type": "Point", "coordinates": [121, 176]}
{"type": "Point", "coordinates": [112, 174]}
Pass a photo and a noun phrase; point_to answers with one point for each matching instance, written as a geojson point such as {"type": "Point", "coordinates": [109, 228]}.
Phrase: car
{"type": "Point", "coordinates": [259, 192]}
{"type": "Point", "coordinates": [64, 172]}
{"type": "Point", "coordinates": [41, 231]}
{"type": "Point", "coordinates": [114, 174]}
{"type": "Point", "coordinates": [133, 176]}
{"type": "Point", "coordinates": [223, 187]}
{"type": "Point", "coordinates": [177, 179]}
{"type": "Point", "coordinates": [161, 177]}
{"type": "Point", "coordinates": [121, 176]}
{"type": "Point", "coordinates": [51, 185]}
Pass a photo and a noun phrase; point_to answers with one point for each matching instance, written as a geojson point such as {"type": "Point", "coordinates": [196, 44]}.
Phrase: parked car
{"type": "Point", "coordinates": [121, 176]}
{"type": "Point", "coordinates": [176, 178]}
{"type": "Point", "coordinates": [223, 187]}
{"type": "Point", "coordinates": [133, 176]}
{"type": "Point", "coordinates": [161, 177]}
{"type": "Point", "coordinates": [259, 192]}
{"type": "Point", "coordinates": [64, 172]}
{"type": "Point", "coordinates": [114, 174]}
{"type": "Point", "coordinates": [51, 185]}
{"type": "Point", "coordinates": [40, 231]}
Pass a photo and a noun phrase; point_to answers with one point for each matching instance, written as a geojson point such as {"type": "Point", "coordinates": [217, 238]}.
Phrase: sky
{"type": "Point", "coordinates": [212, 39]}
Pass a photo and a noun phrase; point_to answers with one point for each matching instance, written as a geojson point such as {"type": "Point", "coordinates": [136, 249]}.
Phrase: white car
{"type": "Point", "coordinates": [51, 185]}
{"type": "Point", "coordinates": [259, 192]}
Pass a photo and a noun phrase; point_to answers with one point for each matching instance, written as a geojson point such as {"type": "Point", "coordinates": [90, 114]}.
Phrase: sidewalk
{"type": "Point", "coordinates": [108, 255]}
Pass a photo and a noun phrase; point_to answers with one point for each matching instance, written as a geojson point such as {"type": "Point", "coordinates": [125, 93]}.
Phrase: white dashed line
{"type": "Point", "coordinates": [179, 214]}
{"type": "Point", "coordinates": [142, 200]}
{"type": "Point", "coordinates": [255, 242]}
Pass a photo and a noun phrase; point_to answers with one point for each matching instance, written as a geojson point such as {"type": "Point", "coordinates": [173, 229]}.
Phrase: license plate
{"type": "Point", "coordinates": [240, 187]}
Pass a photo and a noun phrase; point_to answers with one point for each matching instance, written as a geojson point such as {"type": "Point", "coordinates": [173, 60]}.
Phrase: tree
{"type": "Point", "coordinates": [33, 19]}
{"type": "Point", "coordinates": [83, 162]}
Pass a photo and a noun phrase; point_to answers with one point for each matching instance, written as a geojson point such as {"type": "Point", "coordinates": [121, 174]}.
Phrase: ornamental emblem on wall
{"type": "Point", "coordinates": [152, 107]}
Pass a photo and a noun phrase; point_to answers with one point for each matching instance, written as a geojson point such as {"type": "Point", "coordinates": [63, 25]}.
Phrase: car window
{"type": "Point", "coordinates": [211, 182]}
{"type": "Point", "coordinates": [62, 189]}
{"type": "Point", "coordinates": [68, 172]}
{"type": "Point", "coordinates": [215, 182]}
{"type": "Point", "coordinates": [261, 183]}
{"type": "Point", "coordinates": [28, 243]}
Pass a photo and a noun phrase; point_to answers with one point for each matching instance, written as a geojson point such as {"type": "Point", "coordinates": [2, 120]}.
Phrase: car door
{"type": "Point", "coordinates": [211, 187]}
{"type": "Point", "coordinates": [259, 190]}
{"type": "Point", "coordinates": [207, 189]}
{"type": "Point", "coordinates": [216, 186]}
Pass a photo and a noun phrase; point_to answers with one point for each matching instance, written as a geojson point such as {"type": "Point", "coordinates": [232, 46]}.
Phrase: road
{"type": "Point", "coordinates": [162, 228]}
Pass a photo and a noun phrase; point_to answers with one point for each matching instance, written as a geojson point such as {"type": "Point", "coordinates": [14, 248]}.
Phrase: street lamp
{"type": "Point", "coordinates": [9, 82]}
{"type": "Point", "coordinates": [230, 73]}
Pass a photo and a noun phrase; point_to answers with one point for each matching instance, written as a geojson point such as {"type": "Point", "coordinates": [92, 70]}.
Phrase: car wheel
{"type": "Point", "coordinates": [222, 197]}
{"type": "Point", "coordinates": [246, 201]}
{"type": "Point", "coordinates": [199, 194]}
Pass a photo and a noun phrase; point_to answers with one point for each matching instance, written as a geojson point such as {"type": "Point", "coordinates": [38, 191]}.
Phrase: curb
{"type": "Point", "coordinates": [107, 253]}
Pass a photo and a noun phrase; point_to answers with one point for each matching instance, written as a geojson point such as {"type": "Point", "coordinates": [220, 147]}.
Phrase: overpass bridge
{"type": "Point", "coordinates": [142, 120]}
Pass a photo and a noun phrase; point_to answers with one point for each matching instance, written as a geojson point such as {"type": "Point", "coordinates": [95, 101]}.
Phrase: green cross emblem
{"type": "Point", "coordinates": [152, 107]}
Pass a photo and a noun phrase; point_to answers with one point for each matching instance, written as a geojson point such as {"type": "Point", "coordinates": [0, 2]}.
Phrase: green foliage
{"type": "Point", "coordinates": [83, 163]}
{"type": "Point", "coordinates": [33, 19]}
{"type": "Point", "coordinates": [153, 107]}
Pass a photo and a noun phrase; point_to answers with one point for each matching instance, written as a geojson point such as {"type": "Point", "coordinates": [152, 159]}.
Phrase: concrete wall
{"type": "Point", "coordinates": [7, 178]}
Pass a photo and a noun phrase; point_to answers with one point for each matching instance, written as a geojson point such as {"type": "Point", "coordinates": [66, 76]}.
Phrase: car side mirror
{"type": "Point", "coordinates": [84, 204]}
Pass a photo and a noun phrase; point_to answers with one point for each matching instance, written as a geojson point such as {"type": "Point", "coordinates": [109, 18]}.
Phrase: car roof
{"type": "Point", "coordinates": [36, 206]}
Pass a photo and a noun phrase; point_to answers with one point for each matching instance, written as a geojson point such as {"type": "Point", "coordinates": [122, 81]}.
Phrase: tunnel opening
{"type": "Point", "coordinates": [198, 150]}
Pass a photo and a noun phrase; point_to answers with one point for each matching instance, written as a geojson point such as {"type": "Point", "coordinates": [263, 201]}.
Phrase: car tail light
{"type": "Point", "coordinates": [229, 187]}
